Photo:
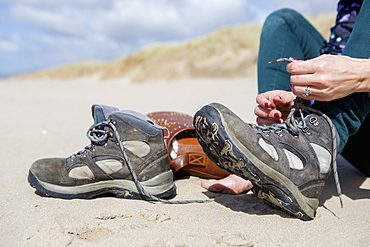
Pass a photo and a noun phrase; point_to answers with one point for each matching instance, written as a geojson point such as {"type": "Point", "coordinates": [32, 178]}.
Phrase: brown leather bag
{"type": "Point", "coordinates": [185, 154]}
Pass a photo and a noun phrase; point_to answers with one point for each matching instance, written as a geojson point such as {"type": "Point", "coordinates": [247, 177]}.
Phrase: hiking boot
{"type": "Point", "coordinates": [287, 163]}
{"type": "Point", "coordinates": [127, 157]}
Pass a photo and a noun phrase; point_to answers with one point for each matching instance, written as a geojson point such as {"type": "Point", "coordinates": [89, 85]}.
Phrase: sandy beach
{"type": "Point", "coordinates": [49, 118]}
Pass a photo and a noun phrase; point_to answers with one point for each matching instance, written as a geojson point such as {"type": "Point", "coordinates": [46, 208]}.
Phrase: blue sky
{"type": "Point", "coordinates": [37, 34]}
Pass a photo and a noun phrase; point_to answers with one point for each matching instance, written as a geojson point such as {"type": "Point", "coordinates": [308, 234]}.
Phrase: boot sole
{"type": "Point", "coordinates": [161, 186]}
{"type": "Point", "coordinates": [224, 149]}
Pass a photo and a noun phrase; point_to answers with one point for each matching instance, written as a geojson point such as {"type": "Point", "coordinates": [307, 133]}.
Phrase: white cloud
{"type": "Point", "coordinates": [64, 21]}
{"type": "Point", "coordinates": [160, 20]}
{"type": "Point", "coordinates": [40, 33]}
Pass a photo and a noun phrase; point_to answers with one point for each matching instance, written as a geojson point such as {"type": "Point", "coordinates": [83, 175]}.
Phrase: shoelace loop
{"type": "Point", "coordinates": [97, 133]}
{"type": "Point", "coordinates": [97, 136]}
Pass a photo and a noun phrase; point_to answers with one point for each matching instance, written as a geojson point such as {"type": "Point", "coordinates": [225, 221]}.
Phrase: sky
{"type": "Point", "coordinates": [39, 34]}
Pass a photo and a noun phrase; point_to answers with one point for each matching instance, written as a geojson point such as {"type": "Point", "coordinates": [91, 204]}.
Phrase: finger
{"type": "Point", "coordinates": [263, 99]}
{"type": "Point", "coordinates": [304, 92]}
{"type": "Point", "coordinates": [304, 79]}
{"type": "Point", "coordinates": [268, 121]}
{"type": "Point", "coordinates": [263, 112]}
{"type": "Point", "coordinates": [300, 67]}
{"type": "Point", "coordinates": [265, 121]}
{"type": "Point", "coordinates": [314, 94]}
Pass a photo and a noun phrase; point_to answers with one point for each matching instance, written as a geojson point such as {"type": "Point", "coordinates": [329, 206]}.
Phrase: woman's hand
{"type": "Point", "coordinates": [273, 106]}
{"type": "Point", "coordinates": [330, 77]}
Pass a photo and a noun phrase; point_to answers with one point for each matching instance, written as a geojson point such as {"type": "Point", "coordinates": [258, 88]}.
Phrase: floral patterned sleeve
{"type": "Point", "coordinates": [340, 32]}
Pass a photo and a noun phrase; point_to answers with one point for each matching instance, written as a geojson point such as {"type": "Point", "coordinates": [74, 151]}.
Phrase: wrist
{"type": "Point", "coordinates": [364, 80]}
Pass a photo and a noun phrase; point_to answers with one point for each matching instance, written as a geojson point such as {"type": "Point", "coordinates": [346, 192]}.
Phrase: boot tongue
{"type": "Point", "coordinates": [100, 113]}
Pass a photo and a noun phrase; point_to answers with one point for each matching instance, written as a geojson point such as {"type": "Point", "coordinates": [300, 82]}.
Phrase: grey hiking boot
{"type": "Point", "coordinates": [127, 157]}
{"type": "Point", "coordinates": [287, 163]}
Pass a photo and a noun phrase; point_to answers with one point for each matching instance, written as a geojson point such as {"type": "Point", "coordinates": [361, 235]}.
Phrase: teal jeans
{"type": "Point", "coordinates": [286, 33]}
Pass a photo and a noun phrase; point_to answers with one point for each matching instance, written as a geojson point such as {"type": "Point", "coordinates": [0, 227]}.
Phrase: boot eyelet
{"type": "Point", "coordinates": [314, 121]}
{"type": "Point", "coordinates": [279, 133]}
{"type": "Point", "coordinates": [266, 132]}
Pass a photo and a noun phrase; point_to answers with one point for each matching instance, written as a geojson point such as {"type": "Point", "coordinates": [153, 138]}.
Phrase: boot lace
{"type": "Point", "coordinates": [98, 135]}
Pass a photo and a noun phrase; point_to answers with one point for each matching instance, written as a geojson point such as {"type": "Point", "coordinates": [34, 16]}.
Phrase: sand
{"type": "Point", "coordinates": [49, 118]}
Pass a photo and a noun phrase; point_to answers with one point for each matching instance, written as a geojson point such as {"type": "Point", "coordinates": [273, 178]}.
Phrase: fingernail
{"type": "Point", "coordinates": [294, 59]}
{"type": "Point", "coordinates": [276, 115]}
{"type": "Point", "coordinates": [267, 104]}
{"type": "Point", "coordinates": [278, 96]}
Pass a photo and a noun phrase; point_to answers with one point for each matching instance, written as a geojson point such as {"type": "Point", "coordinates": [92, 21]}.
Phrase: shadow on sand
{"type": "Point", "coordinates": [351, 179]}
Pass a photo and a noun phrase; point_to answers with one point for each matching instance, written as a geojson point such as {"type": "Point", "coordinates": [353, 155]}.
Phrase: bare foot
{"type": "Point", "coordinates": [232, 184]}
